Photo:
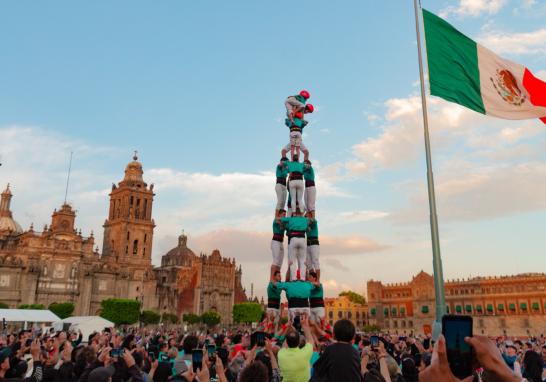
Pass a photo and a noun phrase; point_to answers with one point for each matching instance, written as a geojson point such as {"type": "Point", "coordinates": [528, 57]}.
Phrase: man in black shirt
{"type": "Point", "coordinates": [340, 361]}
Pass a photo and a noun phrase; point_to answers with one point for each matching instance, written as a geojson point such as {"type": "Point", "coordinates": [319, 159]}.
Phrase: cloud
{"type": "Point", "coordinates": [524, 43]}
{"type": "Point", "coordinates": [336, 264]}
{"type": "Point", "coordinates": [474, 8]}
{"type": "Point", "coordinates": [361, 216]}
{"type": "Point", "coordinates": [333, 288]}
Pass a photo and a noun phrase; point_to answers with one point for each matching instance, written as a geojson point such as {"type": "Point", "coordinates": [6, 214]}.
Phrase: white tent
{"type": "Point", "coordinates": [87, 324]}
{"type": "Point", "coordinates": [26, 316]}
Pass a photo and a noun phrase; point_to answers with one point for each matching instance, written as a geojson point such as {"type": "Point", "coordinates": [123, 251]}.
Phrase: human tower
{"type": "Point", "coordinates": [295, 219]}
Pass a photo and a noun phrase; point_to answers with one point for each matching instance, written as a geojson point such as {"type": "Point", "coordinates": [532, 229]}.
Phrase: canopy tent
{"type": "Point", "coordinates": [86, 324]}
{"type": "Point", "coordinates": [26, 316]}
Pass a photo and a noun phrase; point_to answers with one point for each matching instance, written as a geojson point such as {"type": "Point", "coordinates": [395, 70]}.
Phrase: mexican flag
{"type": "Point", "coordinates": [464, 72]}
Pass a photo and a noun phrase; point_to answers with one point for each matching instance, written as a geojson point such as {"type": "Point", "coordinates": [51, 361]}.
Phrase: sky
{"type": "Point", "coordinates": [198, 89]}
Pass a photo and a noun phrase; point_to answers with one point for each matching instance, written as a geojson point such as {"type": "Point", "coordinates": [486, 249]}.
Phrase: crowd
{"type": "Point", "coordinates": [293, 354]}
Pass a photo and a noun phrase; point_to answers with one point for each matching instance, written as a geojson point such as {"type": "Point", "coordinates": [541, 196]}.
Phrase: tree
{"type": "Point", "coordinates": [170, 317]}
{"type": "Point", "coordinates": [149, 317]}
{"type": "Point", "coordinates": [247, 312]}
{"type": "Point", "coordinates": [371, 329]}
{"type": "Point", "coordinates": [62, 309]}
{"type": "Point", "coordinates": [211, 318]}
{"type": "Point", "coordinates": [191, 318]}
{"type": "Point", "coordinates": [354, 297]}
{"type": "Point", "coordinates": [3, 305]}
{"type": "Point", "coordinates": [120, 310]}
{"type": "Point", "coordinates": [32, 306]}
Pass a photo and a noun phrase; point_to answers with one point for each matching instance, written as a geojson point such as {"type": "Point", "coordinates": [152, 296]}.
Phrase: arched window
{"type": "Point", "coordinates": [331, 314]}
{"type": "Point", "coordinates": [339, 314]}
{"type": "Point", "coordinates": [349, 315]}
{"type": "Point", "coordinates": [135, 247]}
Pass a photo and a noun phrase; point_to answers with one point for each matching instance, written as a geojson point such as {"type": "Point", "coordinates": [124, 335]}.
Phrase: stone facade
{"type": "Point", "coordinates": [342, 307]}
{"type": "Point", "coordinates": [515, 305]}
{"type": "Point", "coordinates": [58, 264]}
{"type": "Point", "coordinates": [197, 284]}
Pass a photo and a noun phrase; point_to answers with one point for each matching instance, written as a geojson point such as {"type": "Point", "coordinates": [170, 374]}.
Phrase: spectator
{"type": "Point", "coordinates": [340, 361]}
{"type": "Point", "coordinates": [294, 361]}
{"type": "Point", "coordinates": [533, 366]}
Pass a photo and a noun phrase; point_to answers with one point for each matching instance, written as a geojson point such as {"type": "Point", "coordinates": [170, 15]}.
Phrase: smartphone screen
{"type": "Point", "coordinates": [223, 354]}
{"type": "Point", "coordinates": [211, 350]}
{"type": "Point", "coordinates": [151, 354]}
{"type": "Point", "coordinates": [374, 340]}
{"type": "Point", "coordinates": [197, 359]}
{"type": "Point", "coordinates": [116, 352]}
{"type": "Point", "coordinates": [257, 339]}
{"type": "Point", "coordinates": [459, 353]}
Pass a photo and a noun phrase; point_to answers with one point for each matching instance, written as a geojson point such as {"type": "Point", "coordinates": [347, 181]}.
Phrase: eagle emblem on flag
{"type": "Point", "coordinates": [507, 86]}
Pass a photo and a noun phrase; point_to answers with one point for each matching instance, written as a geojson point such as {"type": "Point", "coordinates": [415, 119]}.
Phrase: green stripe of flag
{"type": "Point", "coordinates": [452, 63]}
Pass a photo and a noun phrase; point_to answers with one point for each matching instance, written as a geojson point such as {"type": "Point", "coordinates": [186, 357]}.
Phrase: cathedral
{"type": "Point", "coordinates": [58, 264]}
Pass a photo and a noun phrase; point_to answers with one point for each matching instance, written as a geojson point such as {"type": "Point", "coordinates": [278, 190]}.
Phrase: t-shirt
{"type": "Point", "coordinates": [295, 363]}
{"type": "Point", "coordinates": [277, 229]}
{"type": "Point", "coordinates": [308, 173]}
{"type": "Point", "coordinates": [295, 223]}
{"type": "Point", "coordinates": [317, 292]}
{"type": "Point", "coordinates": [282, 171]}
{"type": "Point", "coordinates": [296, 289]}
{"type": "Point", "coordinates": [295, 167]}
{"type": "Point", "coordinates": [273, 292]}
{"type": "Point", "coordinates": [339, 362]}
{"type": "Point", "coordinates": [313, 230]}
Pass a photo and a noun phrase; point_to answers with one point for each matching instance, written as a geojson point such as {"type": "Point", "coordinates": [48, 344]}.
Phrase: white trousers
{"type": "Point", "coordinates": [296, 192]}
{"type": "Point", "coordinates": [317, 314]}
{"type": "Point", "coordinates": [277, 252]}
{"type": "Point", "coordinates": [280, 189]}
{"type": "Point", "coordinates": [297, 257]}
{"type": "Point", "coordinates": [310, 197]}
{"type": "Point", "coordinates": [313, 254]}
{"type": "Point", "coordinates": [296, 141]}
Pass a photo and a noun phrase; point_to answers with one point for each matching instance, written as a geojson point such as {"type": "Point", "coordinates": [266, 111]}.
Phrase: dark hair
{"type": "Point", "coordinates": [263, 358]}
{"type": "Point", "coordinates": [276, 272]}
{"type": "Point", "coordinates": [533, 365]}
{"type": "Point", "coordinates": [190, 343]}
{"type": "Point", "coordinates": [409, 370]}
{"type": "Point", "coordinates": [237, 339]}
{"type": "Point", "coordinates": [293, 339]}
{"type": "Point", "coordinates": [313, 273]}
{"type": "Point", "coordinates": [344, 330]}
{"type": "Point", "coordinates": [255, 372]}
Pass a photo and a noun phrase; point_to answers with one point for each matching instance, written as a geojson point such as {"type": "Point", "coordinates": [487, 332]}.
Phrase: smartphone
{"type": "Point", "coordinates": [374, 341]}
{"type": "Point", "coordinates": [151, 355]}
{"type": "Point", "coordinates": [197, 359]}
{"type": "Point", "coordinates": [211, 349]}
{"type": "Point", "coordinates": [116, 352]}
{"type": "Point", "coordinates": [223, 354]}
{"type": "Point", "coordinates": [402, 338]}
{"type": "Point", "coordinates": [297, 323]}
{"type": "Point", "coordinates": [459, 353]}
{"type": "Point", "coordinates": [257, 339]}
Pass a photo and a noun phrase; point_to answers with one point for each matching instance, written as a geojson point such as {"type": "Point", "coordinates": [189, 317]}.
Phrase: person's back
{"type": "Point", "coordinates": [294, 362]}
{"type": "Point", "coordinates": [340, 361]}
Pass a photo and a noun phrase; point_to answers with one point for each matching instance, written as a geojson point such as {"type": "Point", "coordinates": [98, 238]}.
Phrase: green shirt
{"type": "Point", "coordinates": [273, 292]}
{"type": "Point", "coordinates": [312, 233]}
{"type": "Point", "coordinates": [295, 223]}
{"type": "Point", "coordinates": [295, 167]}
{"type": "Point", "coordinates": [295, 363]}
{"type": "Point", "coordinates": [277, 229]}
{"type": "Point", "coordinates": [282, 171]}
{"type": "Point", "coordinates": [296, 289]}
{"type": "Point", "coordinates": [317, 292]}
{"type": "Point", "coordinates": [309, 173]}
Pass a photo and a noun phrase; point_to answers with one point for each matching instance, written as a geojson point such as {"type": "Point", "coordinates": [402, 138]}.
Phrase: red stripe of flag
{"type": "Point", "coordinates": [536, 89]}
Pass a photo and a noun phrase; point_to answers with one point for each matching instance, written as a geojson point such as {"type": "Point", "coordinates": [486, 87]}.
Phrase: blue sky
{"type": "Point", "coordinates": [198, 89]}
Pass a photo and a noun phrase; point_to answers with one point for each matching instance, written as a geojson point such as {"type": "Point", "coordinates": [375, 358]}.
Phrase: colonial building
{"type": "Point", "coordinates": [195, 284]}
{"type": "Point", "coordinates": [58, 264]}
{"type": "Point", "coordinates": [515, 305]}
{"type": "Point", "coordinates": [342, 307]}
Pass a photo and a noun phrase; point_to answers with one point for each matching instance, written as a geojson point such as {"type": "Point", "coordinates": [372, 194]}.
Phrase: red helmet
{"type": "Point", "coordinates": [309, 108]}
{"type": "Point", "coordinates": [298, 115]}
{"type": "Point", "coordinates": [305, 94]}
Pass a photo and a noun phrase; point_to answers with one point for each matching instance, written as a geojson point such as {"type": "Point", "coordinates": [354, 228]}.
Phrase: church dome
{"type": "Point", "coordinates": [133, 171]}
{"type": "Point", "coordinates": [8, 224]}
{"type": "Point", "coordinates": [180, 255]}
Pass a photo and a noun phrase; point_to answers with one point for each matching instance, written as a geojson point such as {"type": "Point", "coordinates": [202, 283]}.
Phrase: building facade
{"type": "Point", "coordinates": [342, 307]}
{"type": "Point", "coordinates": [59, 264]}
{"type": "Point", "coordinates": [515, 305]}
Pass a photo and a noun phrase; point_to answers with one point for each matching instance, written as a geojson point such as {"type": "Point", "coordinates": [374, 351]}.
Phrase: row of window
{"type": "Point", "coordinates": [348, 315]}
{"type": "Point", "coordinates": [497, 289]}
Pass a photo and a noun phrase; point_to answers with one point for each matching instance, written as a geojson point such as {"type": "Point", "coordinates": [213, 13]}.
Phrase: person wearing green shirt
{"type": "Point", "coordinates": [274, 301]}
{"type": "Point", "coordinates": [313, 247]}
{"type": "Point", "coordinates": [295, 169]}
{"type": "Point", "coordinates": [296, 227]}
{"type": "Point", "coordinates": [316, 300]}
{"type": "Point", "coordinates": [310, 194]}
{"type": "Point", "coordinates": [280, 186]}
{"type": "Point", "coordinates": [277, 245]}
{"type": "Point", "coordinates": [295, 362]}
{"type": "Point", "coordinates": [297, 294]}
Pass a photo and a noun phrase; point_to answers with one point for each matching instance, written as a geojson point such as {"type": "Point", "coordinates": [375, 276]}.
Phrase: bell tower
{"type": "Point", "coordinates": [129, 229]}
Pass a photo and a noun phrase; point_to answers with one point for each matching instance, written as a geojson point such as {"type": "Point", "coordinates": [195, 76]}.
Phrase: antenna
{"type": "Point", "coordinates": [68, 177]}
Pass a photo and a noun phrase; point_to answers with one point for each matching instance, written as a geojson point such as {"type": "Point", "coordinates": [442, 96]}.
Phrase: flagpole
{"type": "Point", "coordinates": [436, 254]}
